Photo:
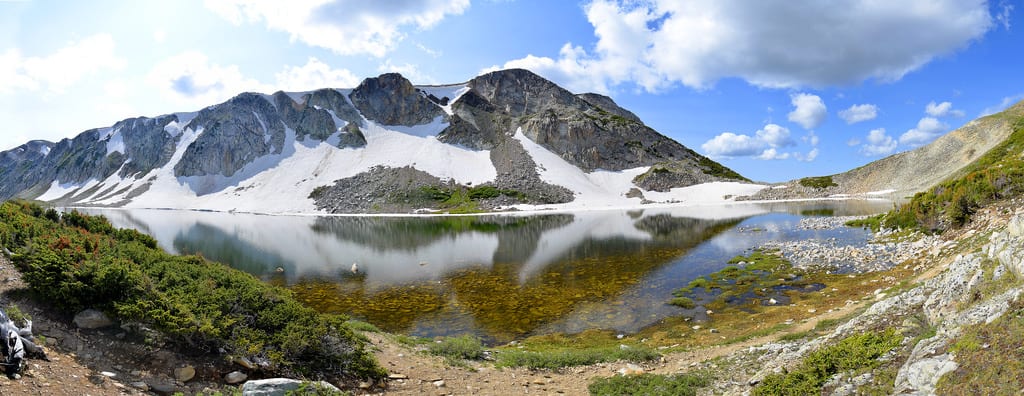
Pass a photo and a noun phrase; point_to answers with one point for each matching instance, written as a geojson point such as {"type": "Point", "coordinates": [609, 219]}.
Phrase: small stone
{"type": "Point", "coordinates": [161, 388]}
{"type": "Point", "coordinates": [184, 374]}
{"type": "Point", "coordinates": [631, 369]}
{"type": "Point", "coordinates": [235, 377]}
{"type": "Point", "coordinates": [244, 362]}
{"type": "Point", "coordinates": [108, 374]}
{"type": "Point", "coordinates": [696, 327]}
{"type": "Point", "coordinates": [715, 331]}
{"type": "Point", "coordinates": [142, 386]}
{"type": "Point", "coordinates": [439, 383]}
{"type": "Point", "coordinates": [365, 385]}
{"type": "Point", "coordinates": [397, 376]}
{"type": "Point", "coordinates": [92, 319]}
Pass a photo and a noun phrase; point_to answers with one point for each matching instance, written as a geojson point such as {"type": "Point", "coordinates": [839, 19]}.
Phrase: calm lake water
{"type": "Point", "coordinates": [499, 277]}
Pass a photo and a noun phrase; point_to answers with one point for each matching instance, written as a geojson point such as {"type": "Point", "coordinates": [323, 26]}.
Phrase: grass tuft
{"type": "Point", "coordinates": [649, 384]}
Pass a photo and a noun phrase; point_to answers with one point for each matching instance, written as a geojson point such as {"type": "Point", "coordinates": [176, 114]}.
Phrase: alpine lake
{"type": "Point", "coordinates": [500, 277]}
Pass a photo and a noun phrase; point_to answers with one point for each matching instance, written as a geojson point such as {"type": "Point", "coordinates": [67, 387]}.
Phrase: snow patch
{"type": "Point", "coordinates": [452, 92]}
{"type": "Point", "coordinates": [606, 189]}
{"type": "Point", "coordinates": [115, 142]}
{"type": "Point", "coordinates": [431, 129]}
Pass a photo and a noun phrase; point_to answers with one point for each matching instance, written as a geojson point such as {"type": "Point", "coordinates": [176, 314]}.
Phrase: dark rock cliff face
{"type": "Point", "coordinates": [147, 143]}
{"type": "Point", "coordinates": [234, 134]}
{"type": "Point", "coordinates": [334, 101]}
{"type": "Point", "coordinates": [390, 99]}
{"type": "Point", "coordinates": [16, 166]}
{"type": "Point", "coordinates": [589, 130]}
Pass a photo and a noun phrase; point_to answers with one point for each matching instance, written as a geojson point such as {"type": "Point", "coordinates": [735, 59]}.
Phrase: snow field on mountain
{"type": "Point", "coordinates": [606, 189]}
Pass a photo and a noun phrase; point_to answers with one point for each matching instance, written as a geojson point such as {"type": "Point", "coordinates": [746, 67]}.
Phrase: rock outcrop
{"type": "Point", "coordinates": [390, 99]}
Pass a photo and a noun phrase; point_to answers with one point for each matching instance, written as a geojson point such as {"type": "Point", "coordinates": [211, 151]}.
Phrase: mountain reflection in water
{"type": "Point", "coordinates": [501, 277]}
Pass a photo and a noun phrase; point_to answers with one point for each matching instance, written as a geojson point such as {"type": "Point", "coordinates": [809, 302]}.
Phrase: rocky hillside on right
{"type": "Point", "coordinates": [953, 321]}
{"type": "Point", "coordinates": [904, 174]}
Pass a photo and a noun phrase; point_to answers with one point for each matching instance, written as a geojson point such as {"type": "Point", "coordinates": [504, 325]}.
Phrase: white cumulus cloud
{"type": "Point", "coordinates": [942, 110]}
{"type": "Point", "coordinates": [809, 110]}
{"type": "Point", "coordinates": [927, 129]}
{"type": "Point", "coordinates": [344, 27]}
{"type": "Point", "coordinates": [765, 144]}
{"type": "Point", "coordinates": [190, 79]}
{"type": "Point", "coordinates": [878, 143]}
{"type": "Point", "coordinates": [859, 113]}
{"type": "Point", "coordinates": [61, 69]}
{"type": "Point", "coordinates": [658, 43]}
{"type": "Point", "coordinates": [314, 75]}
{"type": "Point", "coordinates": [729, 144]}
{"type": "Point", "coordinates": [775, 136]}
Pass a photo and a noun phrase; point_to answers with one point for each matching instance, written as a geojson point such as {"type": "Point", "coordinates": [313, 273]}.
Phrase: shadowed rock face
{"type": "Point", "coordinates": [587, 130]}
{"type": "Point", "coordinates": [390, 99]}
{"type": "Point", "coordinates": [234, 134]}
{"type": "Point", "coordinates": [146, 143]}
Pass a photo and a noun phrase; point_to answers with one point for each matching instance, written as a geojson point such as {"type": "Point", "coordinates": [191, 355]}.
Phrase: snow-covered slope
{"type": "Point", "coordinates": [269, 153]}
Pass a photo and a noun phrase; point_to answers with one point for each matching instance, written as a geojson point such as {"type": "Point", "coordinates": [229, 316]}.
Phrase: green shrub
{"type": "Point", "coordinates": [818, 182]}
{"type": "Point", "coordinates": [453, 349]}
{"type": "Point", "coordinates": [856, 353]}
{"type": "Point", "coordinates": [649, 385]}
{"type": "Point", "coordinates": [15, 314]}
{"type": "Point", "coordinates": [573, 357]}
{"type": "Point", "coordinates": [82, 261]}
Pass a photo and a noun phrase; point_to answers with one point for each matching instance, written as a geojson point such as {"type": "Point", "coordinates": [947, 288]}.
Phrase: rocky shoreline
{"type": "Point", "coordinates": [884, 251]}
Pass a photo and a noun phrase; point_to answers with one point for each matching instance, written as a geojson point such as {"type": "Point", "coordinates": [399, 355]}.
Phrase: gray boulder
{"type": "Point", "coordinates": [92, 319]}
{"type": "Point", "coordinates": [278, 387]}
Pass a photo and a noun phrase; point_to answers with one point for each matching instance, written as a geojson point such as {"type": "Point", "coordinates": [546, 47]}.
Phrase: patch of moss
{"type": "Point", "coordinates": [819, 182]}
{"type": "Point", "coordinates": [753, 278]}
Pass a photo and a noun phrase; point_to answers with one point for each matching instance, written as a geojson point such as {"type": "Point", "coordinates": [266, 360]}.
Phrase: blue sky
{"type": "Point", "coordinates": [775, 89]}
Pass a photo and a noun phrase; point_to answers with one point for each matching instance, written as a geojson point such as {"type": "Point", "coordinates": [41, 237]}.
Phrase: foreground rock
{"type": "Point", "coordinates": [92, 319]}
{"type": "Point", "coordinates": [280, 387]}
{"type": "Point", "coordinates": [947, 303]}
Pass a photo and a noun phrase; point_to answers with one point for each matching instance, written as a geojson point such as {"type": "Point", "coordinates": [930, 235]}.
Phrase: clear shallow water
{"type": "Point", "coordinates": [499, 277]}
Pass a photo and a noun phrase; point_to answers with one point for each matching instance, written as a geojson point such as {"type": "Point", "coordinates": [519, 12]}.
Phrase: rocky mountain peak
{"type": "Point", "coordinates": [607, 104]}
{"type": "Point", "coordinates": [519, 92]}
{"type": "Point", "coordinates": [390, 99]}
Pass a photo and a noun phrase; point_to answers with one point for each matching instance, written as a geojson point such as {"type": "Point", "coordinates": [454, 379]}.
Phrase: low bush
{"type": "Point", "coordinates": [79, 261]}
{"type": "Point", "coordinates": [856, 353]}
{"type": "Point", "coordinates": [454, 349]}
{"type": "Point", "coordinates": [649, 385]}
{"type": "Point", "coordinates": [573, 357]}
{"type": "Point", "coordinates": [818, 182]}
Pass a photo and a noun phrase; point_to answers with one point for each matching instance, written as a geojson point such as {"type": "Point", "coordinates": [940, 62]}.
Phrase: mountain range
{"type": "Point", "coordinates": [502, 139]}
